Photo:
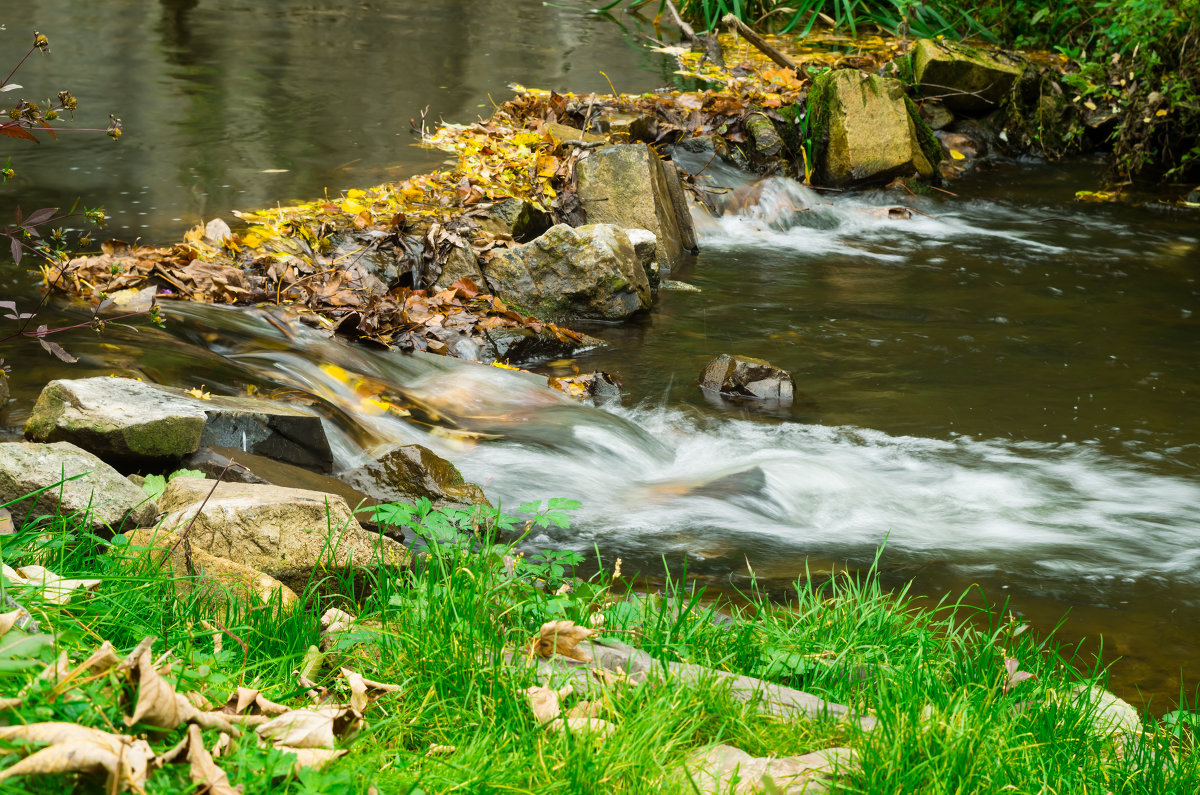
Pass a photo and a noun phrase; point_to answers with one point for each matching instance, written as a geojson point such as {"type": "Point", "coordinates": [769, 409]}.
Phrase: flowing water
{"type": "Point", "coordinates": [1002, 389]}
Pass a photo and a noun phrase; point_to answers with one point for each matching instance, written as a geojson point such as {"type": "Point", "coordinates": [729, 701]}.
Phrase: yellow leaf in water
{"type": "Point", "coordinates": [957, 155]}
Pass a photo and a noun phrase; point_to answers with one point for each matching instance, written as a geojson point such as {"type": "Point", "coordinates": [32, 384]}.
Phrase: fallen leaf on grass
{"type": "Point", "coordinates": [441, 750]}
{"type": "Point", "coordinates": [586, 709]}
{"type": "Point", "coordinates": [78, 749]}
{"type": "Point", "coordinates": [561, 637]}
{"type": "Point", "coordinates": [310, 728]}
{"type": "Point", "coordinates": [204, 771]}
{"type": "Point", "coordinates": [316, 758]}
{"type": "Point", "coordinates": [159, 705]}
{"type": "Point", "coordinates": [545, 702]}
{"type": "Point", "coordinates": [595, 726]}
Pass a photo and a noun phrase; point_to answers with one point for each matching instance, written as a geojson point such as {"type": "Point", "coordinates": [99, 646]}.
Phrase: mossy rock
{"type": "Point", "coordinates": [865, 129]}
{"type": "Point", "coordinates": [967, 79]}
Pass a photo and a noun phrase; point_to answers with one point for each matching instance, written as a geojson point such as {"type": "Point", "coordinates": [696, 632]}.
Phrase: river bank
{"type": "Point", "coordinates": [468, 193]}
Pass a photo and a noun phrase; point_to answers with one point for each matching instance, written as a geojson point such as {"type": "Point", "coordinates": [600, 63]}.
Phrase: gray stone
{"type": "Point", "coordinates": [747, 377]}
{"type": "Point", "coordinates": [461, 264]}
{"type": "Point", "coordinates": [936, 115]}
{"type": "Point", "coordinates": [120, 418]}
{"type": "Point", "coordinates": [1110, 715]}
{"type": "Point", "coordinates": [867, 130]}
{"type": "Point", "coordinates": [645, 245]}
{"type": "Point", "coordinates": [630, 186]}
{"type": "Point", "coordinates": [515, 218]}
{"type": "Point", "coordinates": [407, 473]}
{"type": "Point", "coordinates": [216, 232]}
{"type": "Point", "coordinates": [292, 535]}
{"type": "Point", "coordinates": [967, 79]}
{"type": "Point", "coordinates": [97, 492]}
{"type": "Point", "coordinates": [589, 272]}
{"type": "Point", "coordinates": [726, 769]}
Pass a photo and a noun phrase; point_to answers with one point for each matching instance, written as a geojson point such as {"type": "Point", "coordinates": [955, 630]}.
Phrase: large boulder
{"type": "Point", "coordinates": [747, 377]}
{"type": "Point", "coordinates": [590, 272]}
{"type": "Point", "coordinates": [290, 534]}
{"type": "Point", "coordinates": [407, 473]}
{"type": "Point", "coordinates": [123, 419]}
{"type": "Point", "coordinates": [630, 186]}
{"type": "Point", "coordinates": [76, 484]}
{"type": "Point", "coordinates": [865, 130]}
{"type": "Point", "coordinates": [967, 79]}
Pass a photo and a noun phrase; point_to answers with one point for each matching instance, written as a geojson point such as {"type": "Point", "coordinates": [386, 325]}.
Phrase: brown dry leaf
{"type": "Point", "coordinates": [7, 620]}
{"type": "Point", "coordinates": [310, 728]}
{"type": "Point", "coordinates": [335, 620]}
{"type": "Point", "coordinates": [157, 703]}
{"type": "Point", "coordinates": [360, 689]}
{"type": "Point", "coordinates": [441, 750]}
{"type": "Point", "coordinates": [56, 590]}
{"type": "Point", "coordinates": [102, 659]}
{"type": "Point", "coordinates": [77, 749]}
{"type": "Point", "coordinates": [594, 726]}
{"type": "Point", "coordinates": [204, 770]}
{"type": "Point", "coordinates": [562, 637]}
{"type": "Point", "coordinates": [316, 758]}
{"type": "Point", "coordinates": [11, 703]}
{"type": "Point", "coordinates": [544, 703]}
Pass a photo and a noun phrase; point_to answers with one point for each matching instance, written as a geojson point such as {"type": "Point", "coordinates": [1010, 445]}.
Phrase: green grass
{"type": "Point", "coordinates": [933, 678]}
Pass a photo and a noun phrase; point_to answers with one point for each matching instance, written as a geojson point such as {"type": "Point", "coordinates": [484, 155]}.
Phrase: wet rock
{"type": "Point", "coordinates": [967, 79]}
{"type": "Point", "coordinates": [1192, 198]}
{"type": "Point", "coordinates": [96, 492]}
{"type": "Point", "coordinates": [123, 419]}
{"type": "Point", "coordinates": [867, 130]}
{"type": "Point", "coordinates": [289, 534]}
{"type": "Point", "coordinates": [936, 115]}
{"type": "Point", "coordinates": [3, 391]}
{"type": "Point", "coordinates": [598, 387]}
{"type": "Point", "coordinates": [962, 152]}
{"type": "Point", "coordinates": [515, 218]}
{"type": "Point", "coordinates": [746, 377]}
{"type": "Point", "coordinates": [724, 768]}
{"type": "Point", "coordinates": [407, 473]}
{"type": "Point", "coordinates": [193, 569]}
{"type": "Point", "coordinates": [645, 245]}
{"type": "Point", "coordinates": [461, 264]}
{"type": "Point", "coordinates": [628, 126]}
{"type": "Point", "coordinates": [764, 138]}
{"type": "Point", "coordinates": [630, 186]}
{"type": "Point", "coordinates": [561, 132]}
{"type": "Point", "coordinates": [589, 272]}
{"type": "Point", "coordinates": [522, 346]}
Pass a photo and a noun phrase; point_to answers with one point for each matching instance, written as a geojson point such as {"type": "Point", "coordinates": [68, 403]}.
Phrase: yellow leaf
{"type": "Point", "coordinates": [1162, 112]}
{"type": "Point", "coordinates": [957, 155]}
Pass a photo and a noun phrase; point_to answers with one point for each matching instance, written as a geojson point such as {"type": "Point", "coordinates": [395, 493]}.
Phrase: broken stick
{"type": "Point", "coordinates": [758, 41]}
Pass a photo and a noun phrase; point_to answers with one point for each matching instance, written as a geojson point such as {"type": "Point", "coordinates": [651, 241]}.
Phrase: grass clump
{"type": "Point", "coordinates": [961, 702]}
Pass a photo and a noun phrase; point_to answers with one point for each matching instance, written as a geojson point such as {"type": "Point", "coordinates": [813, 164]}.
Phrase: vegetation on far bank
{"type": "Point", "coordinates": [959, 708]}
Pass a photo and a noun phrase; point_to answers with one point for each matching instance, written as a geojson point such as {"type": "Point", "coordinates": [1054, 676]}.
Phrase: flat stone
{"type": "Point", "coordinates": [122, 419]}
{"type": "Point", "coordinates": [100, 494]}
{"type": "Point", "coordinates": [588, 272]}
{"type": "Point", "coordinates": [289, 534]}
{"type": "Point", "coordinates": [630, 186]}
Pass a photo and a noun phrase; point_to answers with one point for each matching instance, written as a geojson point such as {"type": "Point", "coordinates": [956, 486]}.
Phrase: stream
{"type": "Point", "coordinates": [1002, 390]}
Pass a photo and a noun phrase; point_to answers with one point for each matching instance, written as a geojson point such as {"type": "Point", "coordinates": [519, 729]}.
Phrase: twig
{"type": "Point", "coordinates": [183, 537]}
{"type": "Point", "coordinates": [759, 42]}
{"type": "Point", "coordinates": [684, 27]}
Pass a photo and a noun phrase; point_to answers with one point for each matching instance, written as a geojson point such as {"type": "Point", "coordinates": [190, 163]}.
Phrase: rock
{"type": "Point", "coordinates": [3, 390]}
{"type": "Point", "coordinates": [289, 534]}
{"type": "Point", "coordinates": [967, 79]}
{"type": "Point", "coordinates": [407, 473]}
{"type": "Point", "coordinates": [765, 139]}
{"type": "Point", "coordinates": [936, 115]}
{"type": "Point", "coordinates": [516, 218]}
{"type": "Point", "coordinates": [679, 287]}
{"type": "Point", "coordinates": [746, 377]}
{"type": "Point", "coordinates": [121, 419]}
{"type": "Point", "coordinates": [6, 522]}
{"type": "Point", "coordinates": [600, 388]}
{"type": "Point", "coordinates": [98, 493]}
{"type": "Point", "coordinates": [723, 768]}
{"type": "Point", "coordinates": [1110, 715]}
{"type": "Point", "coordinates": [192, 568]}
{"type": "Point", "coordinates": [645, 245]}
{"type": "Point", "coordinates": [561, 132]}
{"type": "Point", "coordinates": [624, 126]}
{"type": "Point", "coordinates": [630, 186]}
{"type": "Point", "coordinates": [589, 272]}
{"type": "Point", "coordinates": [866, 130]}
{"type": "Point", "coordinates": [461, 264]}
{"type": "Point", "coordinates": [1191, 198]}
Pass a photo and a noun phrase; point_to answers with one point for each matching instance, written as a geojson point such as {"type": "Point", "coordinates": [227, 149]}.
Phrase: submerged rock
{"type": "Point", "coordinates": [407, 473]}
{"type": "Point", "coordinates": [866, 130]}
{"type": "Point", "coordinates": [967, 79]}
{"type": "Point", "coordinates": [292, 535]}
{"type": "Point", "coordinates": [747, 377]}
{"type": "Point", "coordinates": [589, 272]}
{"type": "Point", "coordinates": [77, 484]}
{"type": "Point", "coordinates": [122, 419]}
{"type": "Point", "coordinates": [630, 186]}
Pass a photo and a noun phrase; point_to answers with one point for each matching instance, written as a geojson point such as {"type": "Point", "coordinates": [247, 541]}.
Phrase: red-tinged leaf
{"type": "Point", "coordinates": [49, 129]}
{"type": "Point", "coordinates": [57, 350]}
{"type": "Point", "coordinates": [40, 216]}
{"type": "Point", "coordinates": [10, 305]}
{"type": "Point", "coordinates": [13, 129]}
{"type": "Point", "coordinates": [16, 250]}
